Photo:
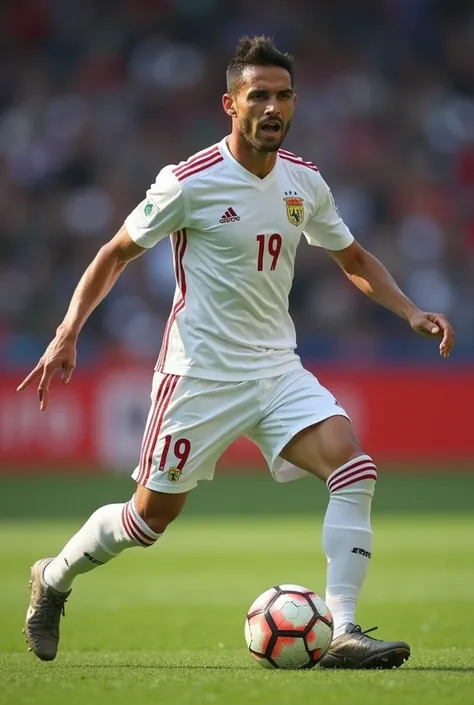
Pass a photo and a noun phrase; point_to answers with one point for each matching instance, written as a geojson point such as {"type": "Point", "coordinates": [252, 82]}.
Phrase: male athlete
{"type": "Point", "coordinates": [227, 365]}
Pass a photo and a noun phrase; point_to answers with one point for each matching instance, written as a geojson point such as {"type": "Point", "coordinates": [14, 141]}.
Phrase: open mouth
{"type": "Point", "coordinates": [271, 127]}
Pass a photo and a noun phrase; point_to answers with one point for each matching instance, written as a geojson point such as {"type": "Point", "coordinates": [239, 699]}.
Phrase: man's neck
{"type": "Point", "coordinates": [258, 163]}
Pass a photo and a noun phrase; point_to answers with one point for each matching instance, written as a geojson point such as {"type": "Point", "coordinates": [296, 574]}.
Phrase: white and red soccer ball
{"type": "Point", "coordinates": [288, 626]}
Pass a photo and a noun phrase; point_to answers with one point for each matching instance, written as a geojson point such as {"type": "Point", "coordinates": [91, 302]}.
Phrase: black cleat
{"type": "Point", "coordinates": [354, 649]}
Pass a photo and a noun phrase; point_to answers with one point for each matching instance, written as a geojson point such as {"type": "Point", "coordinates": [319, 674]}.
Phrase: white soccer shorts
{"type": "Point", "coordinates": [193, 421]}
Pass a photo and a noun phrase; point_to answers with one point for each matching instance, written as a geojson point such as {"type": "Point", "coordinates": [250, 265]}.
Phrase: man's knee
{"type": "Point", "coordinates": [323, 447]}
{"type": "Point", "coordinates": [158, 509]}
{"type": "Point", "coordinates": [338, 442]}
{"type": "Point", "coordinates": [347, 449]}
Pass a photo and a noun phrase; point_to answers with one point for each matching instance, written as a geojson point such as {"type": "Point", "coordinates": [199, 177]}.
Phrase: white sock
{"type": "Point", "coordinates": [347, 537]}
{"type": "Point", "coordinates": [108, 532]}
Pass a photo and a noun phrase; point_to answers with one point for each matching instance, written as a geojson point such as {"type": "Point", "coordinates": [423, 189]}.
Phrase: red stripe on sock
{"type": "Point", "coordinates": [146, 540]}
{"type": "Point", "coordinates": [367, 476]}
{"type": "Point", "coordinates": [127, 526]}
{"type": "Point", "coordinates": [342, 473]}
{"type": "Point", "coordinates": [350, 475]}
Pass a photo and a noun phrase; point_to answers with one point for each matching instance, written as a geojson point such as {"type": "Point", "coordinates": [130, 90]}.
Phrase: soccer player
{"type": "Point", "coordinates": [227, 367]}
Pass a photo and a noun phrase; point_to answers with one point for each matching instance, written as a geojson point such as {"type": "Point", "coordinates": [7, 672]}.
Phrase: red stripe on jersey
{"type": "Point", "coordinates": [197, 157]}
{"type": "Point", "coordinates": [286, 153]}
{"type": "Point", "coordinates": [160, 365]}
{"type": "Point", "coordinates": [172, 381]}
{"type": "Point", "coordinates": [148, 435]}
{"type": "Point", "coordinates": [179, 248]}
{"type": "Point", "coordinates": [179, 170]}
{"type": "Point", "coordinates": [196, 161]}
{"type": "Point", "coordinates": [214, 160]}
{"type": "Point", "coordinates": [297, 160]}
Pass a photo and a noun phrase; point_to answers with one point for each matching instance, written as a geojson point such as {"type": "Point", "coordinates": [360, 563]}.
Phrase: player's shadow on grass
{"type": "Point", "coordinates": [162, 667]}
{"type": "Point", "coordinates": [440, 669]}
{"type": "Point", "coordinates": [232, 667]}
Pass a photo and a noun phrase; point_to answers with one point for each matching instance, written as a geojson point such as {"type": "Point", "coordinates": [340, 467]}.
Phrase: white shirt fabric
{"type": "Point", "coordinates": [234, 239]}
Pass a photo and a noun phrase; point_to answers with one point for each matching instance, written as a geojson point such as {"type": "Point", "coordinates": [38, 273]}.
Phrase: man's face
{"type": "Point", "coordinates": [263, 106]}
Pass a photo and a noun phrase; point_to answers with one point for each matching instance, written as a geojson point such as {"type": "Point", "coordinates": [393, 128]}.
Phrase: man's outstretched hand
{"type": "Point", "coordinates": [59, 355]}
{"type": "Point", "coordinates": [434, 325]}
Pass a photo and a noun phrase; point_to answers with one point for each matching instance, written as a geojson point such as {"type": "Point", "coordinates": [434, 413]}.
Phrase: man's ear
{"type": "Point", "coordinates": [229, 105]}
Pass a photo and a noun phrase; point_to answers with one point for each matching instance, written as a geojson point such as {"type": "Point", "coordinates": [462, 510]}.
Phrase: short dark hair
{"type": "Point", "coordinates": [255, 51]}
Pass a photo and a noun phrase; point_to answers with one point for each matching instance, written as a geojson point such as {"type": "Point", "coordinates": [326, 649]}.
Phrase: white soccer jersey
{"type": "Point", "coordinates": [234, 239]}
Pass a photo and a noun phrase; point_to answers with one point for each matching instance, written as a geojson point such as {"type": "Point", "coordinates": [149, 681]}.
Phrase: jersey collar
{"type": "Point", "coordinates": [261, 184]}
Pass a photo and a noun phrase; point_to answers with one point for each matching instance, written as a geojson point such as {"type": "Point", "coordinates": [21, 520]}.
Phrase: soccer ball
{"type": "Point", "coordinates": [288, 626]}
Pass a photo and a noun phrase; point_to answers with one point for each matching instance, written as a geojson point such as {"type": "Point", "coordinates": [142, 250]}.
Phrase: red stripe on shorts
{"type": "Point", "coordinates": [148, 435]}
{"type": "Point", "coordinates": [171, 382]}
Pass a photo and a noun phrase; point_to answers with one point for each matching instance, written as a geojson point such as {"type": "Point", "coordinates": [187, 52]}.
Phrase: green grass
{"type": "Point", "coordinates": [166, 625]}
{"type": "Point", "coordinates": [249, 493]}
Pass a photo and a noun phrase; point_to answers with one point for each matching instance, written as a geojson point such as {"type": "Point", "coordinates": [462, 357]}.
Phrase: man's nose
{"type": "Point", "coordinates": [272, 107]}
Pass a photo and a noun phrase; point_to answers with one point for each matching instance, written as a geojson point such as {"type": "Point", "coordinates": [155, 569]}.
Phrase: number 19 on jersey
{"type": "Point", "coordinates": [269, 248]}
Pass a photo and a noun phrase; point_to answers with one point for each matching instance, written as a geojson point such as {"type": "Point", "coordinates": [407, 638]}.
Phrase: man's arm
{"type": "Point", "coordinates": [98, 280]}
{"type": "Point", "coordinates": [370, 276]}
{"type": "Point", "coordinates": [95, 284]}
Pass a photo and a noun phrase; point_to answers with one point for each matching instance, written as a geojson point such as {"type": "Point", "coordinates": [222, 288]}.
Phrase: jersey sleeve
{"type": "Point", "coordinates": [161, 213]}
{"type": "Point", "coordinates": [326, 228]}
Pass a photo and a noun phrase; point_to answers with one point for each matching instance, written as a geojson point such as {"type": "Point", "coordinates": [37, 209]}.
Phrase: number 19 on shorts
{"type": "Point", "coordinates": [269, 248]}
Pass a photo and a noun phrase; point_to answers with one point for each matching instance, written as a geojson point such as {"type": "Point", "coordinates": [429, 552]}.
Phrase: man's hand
{"type": "Point", "coordinates": [59, 355]}
{"type": "Point", "coordinates": [434, 325]}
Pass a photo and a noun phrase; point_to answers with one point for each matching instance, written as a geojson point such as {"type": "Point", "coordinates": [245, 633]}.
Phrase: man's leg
{"type": "Point", "coordinates": [330, 451]}
{"type": "Point", "coordinates": [108, 532]}
{"type": "Point", "coordinates": [190, 424]}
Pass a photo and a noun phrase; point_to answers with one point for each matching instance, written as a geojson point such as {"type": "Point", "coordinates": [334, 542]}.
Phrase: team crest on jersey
{"type": "Point", "coordinates": [294, 209]}
{"type": "Point", "coordinates": [174, 474]}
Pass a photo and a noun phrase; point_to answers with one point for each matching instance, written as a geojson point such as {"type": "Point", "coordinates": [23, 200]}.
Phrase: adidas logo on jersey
{"type": "Point", "coordinates": [230, 216]}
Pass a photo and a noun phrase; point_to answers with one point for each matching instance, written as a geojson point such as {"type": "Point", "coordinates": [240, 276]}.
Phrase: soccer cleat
{"type": "Point", "coordinates": [44, 614]}
{"type": "Point", "coordinates": [354, 649]}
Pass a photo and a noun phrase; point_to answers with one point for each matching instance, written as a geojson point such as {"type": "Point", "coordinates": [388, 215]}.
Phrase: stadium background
{"type": "Point", "coordinates": [93, 102]}
{"type": "Point", "coordinates": [95, 96]}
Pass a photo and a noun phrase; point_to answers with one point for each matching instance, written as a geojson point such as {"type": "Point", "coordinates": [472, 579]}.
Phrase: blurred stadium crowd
{"type": "Point", "coordinates": [97, 95]}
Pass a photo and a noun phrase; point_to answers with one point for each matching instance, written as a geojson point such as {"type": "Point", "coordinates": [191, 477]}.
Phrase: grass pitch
{"type": "Point", "coordinates": [166, 625]}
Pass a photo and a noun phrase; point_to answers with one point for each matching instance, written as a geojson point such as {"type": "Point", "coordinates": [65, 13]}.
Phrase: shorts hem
{"type": "Point", "coordinates": [168, 488]}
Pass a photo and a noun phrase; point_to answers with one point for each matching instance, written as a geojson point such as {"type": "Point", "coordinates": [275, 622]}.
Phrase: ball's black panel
{"type": "Point", "coordinates": [270, 646]}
